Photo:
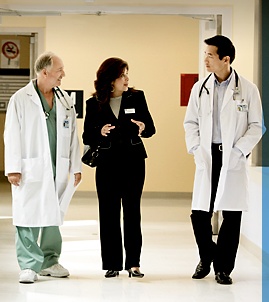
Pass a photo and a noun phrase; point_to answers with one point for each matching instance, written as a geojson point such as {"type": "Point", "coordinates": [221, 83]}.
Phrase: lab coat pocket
{"type": "Point", "coordinates": [236, 157]}
{"type": "Point", "coordinates": [198, 159]}
{"type": "Point", "coordinates": [32, 169]}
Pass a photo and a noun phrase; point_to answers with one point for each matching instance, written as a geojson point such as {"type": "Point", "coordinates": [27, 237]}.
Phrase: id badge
{"type": "Point", "coordinates": [242, 106]}
{"type": "Point", "coordinates": [129, 110]}
{"type": "Point", "coordinates": [66, 123]}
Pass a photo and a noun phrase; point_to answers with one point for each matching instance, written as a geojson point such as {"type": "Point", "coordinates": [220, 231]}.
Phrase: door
{"type": "Point", "coordinates": [18, 53]}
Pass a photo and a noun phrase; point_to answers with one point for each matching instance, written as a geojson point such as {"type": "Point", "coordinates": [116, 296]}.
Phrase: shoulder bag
{"type": "Point", "coordinates": [90, 156]}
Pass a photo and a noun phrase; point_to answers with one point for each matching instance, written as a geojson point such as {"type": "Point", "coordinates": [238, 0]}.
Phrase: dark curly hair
{"type": "Point", "coordinates": [110, 70]}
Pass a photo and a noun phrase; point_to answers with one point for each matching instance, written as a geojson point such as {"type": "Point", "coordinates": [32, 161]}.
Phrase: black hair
{"type": "Point", "coordinates": [224, 46]}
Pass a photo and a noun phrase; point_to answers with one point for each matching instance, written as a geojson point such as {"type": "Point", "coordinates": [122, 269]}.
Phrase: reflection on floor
{"type": "Point", "coordinates": [168, 260]}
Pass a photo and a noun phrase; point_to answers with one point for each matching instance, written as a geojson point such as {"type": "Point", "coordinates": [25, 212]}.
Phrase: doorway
{"type": "Point", "coordinates": [18, 53]}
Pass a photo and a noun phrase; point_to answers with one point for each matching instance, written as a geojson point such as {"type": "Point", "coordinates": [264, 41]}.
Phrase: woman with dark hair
{"type": "Point", "coordinates": [116, 119]}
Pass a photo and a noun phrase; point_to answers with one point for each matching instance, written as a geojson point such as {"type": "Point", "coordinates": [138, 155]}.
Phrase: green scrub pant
{"type": "Point", "coordinates": [34, 256]}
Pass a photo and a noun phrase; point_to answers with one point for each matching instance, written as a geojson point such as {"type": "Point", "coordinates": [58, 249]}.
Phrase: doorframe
{"type": "Point", "coordinates": [37, 43]}
{"type": "Point", "coordinates": [205, 26]}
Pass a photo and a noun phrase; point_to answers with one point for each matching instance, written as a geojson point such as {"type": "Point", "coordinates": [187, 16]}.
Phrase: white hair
{"type": "Point", "coordinates": [45, 60]}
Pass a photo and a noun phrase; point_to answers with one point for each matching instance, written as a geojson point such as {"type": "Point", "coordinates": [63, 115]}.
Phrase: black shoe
{"type": "Point", "coordinates": [223, 278]}
{"type": "Point", "coordinates": [111, 274]}
{"type": "Point", "coordinates": [135, 273]}
{"type": "Point", "coordinates": [202, 270]}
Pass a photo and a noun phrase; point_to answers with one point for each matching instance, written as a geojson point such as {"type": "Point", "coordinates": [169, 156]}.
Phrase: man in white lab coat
{"type": "Point", "coordinates": [42, 163]}
{"type": "Point", "coordinates": [223, 123]}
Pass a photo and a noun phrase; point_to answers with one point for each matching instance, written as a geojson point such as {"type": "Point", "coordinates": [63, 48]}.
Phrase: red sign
{"type": "Point", "coordinates": [187, 81]}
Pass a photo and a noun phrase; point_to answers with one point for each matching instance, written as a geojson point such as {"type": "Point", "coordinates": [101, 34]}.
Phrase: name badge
{"type": "Point", "coordinates": [242, 107]}
{"type": "Point", "coordinates": [66, 123]}
{"type": "Point", "coordinates": [129, 110]}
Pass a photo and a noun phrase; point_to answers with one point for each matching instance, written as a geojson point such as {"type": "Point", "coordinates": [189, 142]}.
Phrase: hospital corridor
{"type": "Point", "coordinates": [171, 98]}
{"type": "Point", "coordinates": [169, 257]}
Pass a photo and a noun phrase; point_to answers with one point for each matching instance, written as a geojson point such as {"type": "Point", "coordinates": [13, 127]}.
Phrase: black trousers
{"type": "Point", "coordinates": [223, 252]}
{"type": "Point", "coordinates": [119, 185]}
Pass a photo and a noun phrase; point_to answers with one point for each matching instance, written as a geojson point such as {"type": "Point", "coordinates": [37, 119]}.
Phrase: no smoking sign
{"type": "Point", "coordinates": [10, 50]}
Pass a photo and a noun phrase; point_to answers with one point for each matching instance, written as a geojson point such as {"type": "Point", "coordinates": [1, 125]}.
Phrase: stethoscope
{"type": "Point", "coordinates": [59, 97]}
{"type": "Point", "coordinates": [66, 105]}
{"type": "Point", "coordinates": [236, 88]}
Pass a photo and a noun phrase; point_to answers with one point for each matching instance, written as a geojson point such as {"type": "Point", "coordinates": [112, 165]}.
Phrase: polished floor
{"type": "Point", "coordinates": [168, 260]}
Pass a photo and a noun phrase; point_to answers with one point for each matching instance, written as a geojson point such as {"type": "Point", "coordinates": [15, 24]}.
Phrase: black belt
{"type": "Point", "coordinates": [217, 147]}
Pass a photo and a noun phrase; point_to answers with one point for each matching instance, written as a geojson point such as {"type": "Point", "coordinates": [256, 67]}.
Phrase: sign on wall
{"type": "Point", "coordinates": [10, 54]}
{"type": "Point", "coordinates": [77, 97]}
{"type": "Point", "coordinates": [187, 80]}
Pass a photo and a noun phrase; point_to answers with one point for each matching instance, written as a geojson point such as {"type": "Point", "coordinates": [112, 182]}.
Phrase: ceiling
{"type": "Point", "coordinates": [96, 7]}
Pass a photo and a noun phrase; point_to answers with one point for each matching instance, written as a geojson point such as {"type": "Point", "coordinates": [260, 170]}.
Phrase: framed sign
{"type": "Point", "coordinates": [77, 97]}
{"type": "Point", "coordinates": [10, 54]}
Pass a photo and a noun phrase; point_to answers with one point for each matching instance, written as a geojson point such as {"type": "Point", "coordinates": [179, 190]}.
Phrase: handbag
{"type": "Point", "coordinates": [90, 156]}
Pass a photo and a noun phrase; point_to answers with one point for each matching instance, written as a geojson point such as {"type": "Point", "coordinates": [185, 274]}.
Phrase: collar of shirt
{"type": "Point", "coordinates": [223, 83]}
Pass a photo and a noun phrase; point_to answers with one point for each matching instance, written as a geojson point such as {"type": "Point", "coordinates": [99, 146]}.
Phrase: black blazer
{"type": "Point", "coordinates": [124, 139]}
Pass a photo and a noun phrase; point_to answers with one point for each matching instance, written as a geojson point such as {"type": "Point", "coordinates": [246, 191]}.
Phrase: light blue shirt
{"type": "Point", "coordinates": [219, 92]}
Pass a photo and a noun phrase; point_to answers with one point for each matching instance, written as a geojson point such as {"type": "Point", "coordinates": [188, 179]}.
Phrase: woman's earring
{"type": "Point", "coordinates": [112, 88]}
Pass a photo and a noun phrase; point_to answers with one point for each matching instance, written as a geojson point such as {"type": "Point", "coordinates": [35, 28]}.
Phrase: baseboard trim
{"type": "Point", "coordinates": [149, 195]}
{"type": "Point", "coordinates": [167, 195]}
{"type": "Point", "coordinates": [251, 247]}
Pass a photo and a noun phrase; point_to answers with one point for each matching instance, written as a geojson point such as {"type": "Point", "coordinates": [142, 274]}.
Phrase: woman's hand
{"type": "Point", "coordinates": [106, 129]}
{"type": "Point", "coordinates": [140, 125]}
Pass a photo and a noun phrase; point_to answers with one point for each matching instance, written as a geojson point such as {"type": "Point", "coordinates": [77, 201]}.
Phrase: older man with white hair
{"type": "Point", "coordinates": [42, 158]}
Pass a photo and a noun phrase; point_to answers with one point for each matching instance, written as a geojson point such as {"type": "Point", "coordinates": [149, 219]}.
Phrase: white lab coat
{"type": "Point", "coordinates": [240, 130]}
{"type": "Point", "coordinates": [39, 201]}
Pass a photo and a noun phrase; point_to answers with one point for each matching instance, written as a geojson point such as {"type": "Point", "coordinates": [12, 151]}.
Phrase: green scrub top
{"type": "Point", "coordinates": [51, 126]}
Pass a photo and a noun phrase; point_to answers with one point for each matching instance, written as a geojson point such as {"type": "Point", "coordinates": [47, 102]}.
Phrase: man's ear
{"type": "Point", "coordinates": [226, 59]}
{"type": "Point", "coordinates": [44, 72]}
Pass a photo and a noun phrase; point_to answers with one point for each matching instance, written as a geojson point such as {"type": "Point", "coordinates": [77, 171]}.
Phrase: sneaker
{"type": "Point", "coordinates": [27, 276]}
{"type": "Point", "coordinates": [55, 270]}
